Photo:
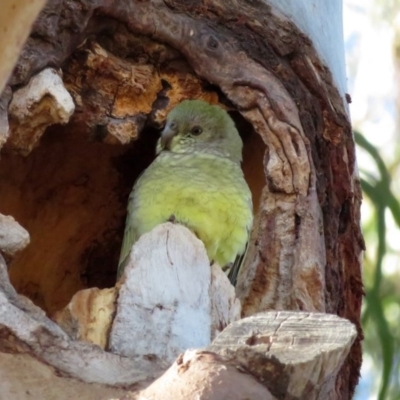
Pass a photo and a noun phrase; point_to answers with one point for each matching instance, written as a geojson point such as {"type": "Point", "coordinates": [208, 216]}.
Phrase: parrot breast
{"type": "Point", "coordinates": [205, 192]}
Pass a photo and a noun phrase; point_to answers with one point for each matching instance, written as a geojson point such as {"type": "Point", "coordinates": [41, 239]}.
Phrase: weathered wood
{"type": "Point", "coordinates": [203, 375]}
{"type": "Point", "coordinates": [89, 315]}
{"type": "Point", "coordinates": [13, 237]}
{"type": "Point", "coordinates": [169, 299]}
{"type": "Point", "coordinates": [24, 377]}
{"type": "Point", "coordinates": [25, 327]}
{"type": "Point", "coordinates": [115, 94]}
{"type": "Point", "coordinates": [42, 102]}
{"type": "Point", "coordinates": [168, 302]}
{"type": "Point", "coordinates": [296, 355]}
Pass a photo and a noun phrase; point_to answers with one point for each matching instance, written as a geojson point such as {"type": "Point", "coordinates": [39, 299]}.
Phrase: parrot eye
{"type": "Point", "coordinates": [173, 125]}
{"type": "Point", "coordinates": [196, 130]}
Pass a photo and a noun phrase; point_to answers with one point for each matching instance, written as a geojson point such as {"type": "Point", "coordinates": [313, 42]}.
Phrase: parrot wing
{"type": "Point", "coordinates": [237, 264]}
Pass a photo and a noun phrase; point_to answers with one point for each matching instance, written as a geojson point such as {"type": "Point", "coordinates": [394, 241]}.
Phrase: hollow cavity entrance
{"type": "Point", "coordinates": [70, 193]}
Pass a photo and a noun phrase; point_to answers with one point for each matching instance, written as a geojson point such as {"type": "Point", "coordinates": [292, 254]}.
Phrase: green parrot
{"type": "Point", "coordinates": [196, 180]}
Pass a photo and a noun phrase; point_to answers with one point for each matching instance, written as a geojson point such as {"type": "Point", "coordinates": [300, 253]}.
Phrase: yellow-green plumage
{"type": "Point", "coordinates": [197, 180]}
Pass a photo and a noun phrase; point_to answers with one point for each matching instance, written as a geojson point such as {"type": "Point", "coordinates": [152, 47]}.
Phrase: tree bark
{"type": "Point", "coordinates": [125, 65]}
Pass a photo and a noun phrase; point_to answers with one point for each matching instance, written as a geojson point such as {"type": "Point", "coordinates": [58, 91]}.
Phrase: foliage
{"type": "Point", "coordinates": [381, 312]}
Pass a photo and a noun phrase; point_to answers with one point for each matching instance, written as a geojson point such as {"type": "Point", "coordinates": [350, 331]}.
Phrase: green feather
{"type": "Point", "coordinates": [197, 178]}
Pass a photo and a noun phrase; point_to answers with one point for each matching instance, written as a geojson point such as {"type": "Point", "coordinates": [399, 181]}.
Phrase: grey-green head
{"type": "Point", "coordinates": [197, 126]}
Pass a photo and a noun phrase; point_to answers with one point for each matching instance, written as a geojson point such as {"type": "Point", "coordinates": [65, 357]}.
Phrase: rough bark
{"type": "Point", "coordinates": [125, 65]}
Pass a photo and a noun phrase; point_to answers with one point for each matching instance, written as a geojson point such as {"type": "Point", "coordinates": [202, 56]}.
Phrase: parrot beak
{"type": "Point", "coordinates": [166, 137]}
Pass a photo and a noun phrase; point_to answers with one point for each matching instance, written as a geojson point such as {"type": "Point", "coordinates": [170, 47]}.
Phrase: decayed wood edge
{"type": "Point", "coordinates": [16, 19]}
{"type": "Point", "coordinates": [152, 320]}
{"type": "Point", "coordinates": [27, 324]}
{"type": "Point", "coordinates": [139, 317]}
{"type": "Point", "coordinates": [13, 237]}
{"type": "Point", "coordinates": [89, 315]}
{"type": "Point", "coordinates": [244, 343]}
{"type": "Point", "coordinates": [149, 322]}
{"type": "Point", "coordinates": [296, 355]}
{"type": "Point", "coordinates": [42, 102]}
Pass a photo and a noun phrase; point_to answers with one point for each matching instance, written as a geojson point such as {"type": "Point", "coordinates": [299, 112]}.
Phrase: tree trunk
{"type": "Point", "coordinates": [79, 118]}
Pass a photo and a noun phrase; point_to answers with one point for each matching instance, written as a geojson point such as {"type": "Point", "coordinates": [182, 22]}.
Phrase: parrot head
{"type": "Point", "coordinates": [197, 126]}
